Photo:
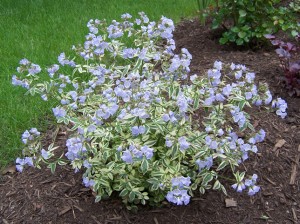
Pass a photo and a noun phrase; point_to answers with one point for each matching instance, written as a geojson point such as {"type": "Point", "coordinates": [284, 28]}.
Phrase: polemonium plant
{"type": "Point", "coordinates": [137, 128]}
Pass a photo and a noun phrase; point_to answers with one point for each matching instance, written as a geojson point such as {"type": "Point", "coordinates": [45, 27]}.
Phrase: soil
{"type": "Point", "coordinates": [37, 196]}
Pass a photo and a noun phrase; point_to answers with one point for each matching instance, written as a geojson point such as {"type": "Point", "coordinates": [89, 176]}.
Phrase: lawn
{"type": "Point", "coordinates": [40, 30]}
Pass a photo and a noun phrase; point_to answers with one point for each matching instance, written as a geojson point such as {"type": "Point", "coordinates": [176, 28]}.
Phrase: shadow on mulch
{"type": "Point", "coordinates": [39, 197]}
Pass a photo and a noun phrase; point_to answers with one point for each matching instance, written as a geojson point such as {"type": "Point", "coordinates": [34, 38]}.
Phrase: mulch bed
{"type": "Point", "coordinates": [37, 196]}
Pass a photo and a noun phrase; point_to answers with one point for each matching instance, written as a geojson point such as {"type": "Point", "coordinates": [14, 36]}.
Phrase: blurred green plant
{"type": "Point", "coordinates": [247, 21]}
{"type": "Point", "coordinates": [205, 7]}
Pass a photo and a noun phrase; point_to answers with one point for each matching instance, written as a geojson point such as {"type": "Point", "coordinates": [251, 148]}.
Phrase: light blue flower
{"type": "Point", "coordinates": [76, 148]}
{"type": "Point", "coordinates": [227, 90]}
{"type": "Point", "coordinates": [86, 164]}
{"type": "Point", "coordinates": [260, 136]}
{"type": "Point", "coordinates": [207, 163]}
{"type": "Point", "coordinates": [22, 162]}
{"type": "Point", "coordinates": [218, 65]}
{"type": "Point", "coordinates": [181, 182]}
{"type": "Point", "coordinates": [183, 144]}
{"type": "Point", "coordinates": [248, 95]}
{"type": "Point", "coordinates": [88, 182]}
{"type": "Point", "coordinates": [220, 97]}
{"type": "Point", "coordinates": [178, 197]}
{"type": "Point", "coordinates": [166, 117]}
{"type": "Point", "coordinates": [169, 143]}
{"type": "Point", "coordinates": [238, 74]}
{"type": "Point", "coordinates": [148, 152]}
{"type": "Point", "coordinates": [45, 154]}
{"type": "Point", "coordinates": [51, 70]}
{"type": "Point", "coordinates": [239, 187]}
{"type": "Point", "coordinates": [281, 106]}
{"type": "Point", "coordinates": [127, 157]}
{"type": "Point", "coordinates": [59, 112]}
{"type": "Point", "coordinates": [34, 69]}
{"type": "Point", "coordinates": [268, 98]}
{"type": "Point", "coordinates": [250, 76]}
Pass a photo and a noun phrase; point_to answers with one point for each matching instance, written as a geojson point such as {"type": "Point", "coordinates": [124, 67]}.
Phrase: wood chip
{"type": "Point", "coordinates": [155, 220]}
{"type": "Point", "coordinates": [64, 211]}
{"type": "Point", "coordinates": [230, 202]}
{"type": "Point", "coordinates": [95, 219]}
{"type": "Point", "coordinates": [294, 215]}
{"type": "Point", "coordinates": [80, 209]}
{"type": "Point", "coordinates": [279, 144]}
{"type": "Point", "coordinates": [294, 168]}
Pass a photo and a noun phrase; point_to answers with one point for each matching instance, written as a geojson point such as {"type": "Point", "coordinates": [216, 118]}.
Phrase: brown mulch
{"type": "Point", "coordinates": [36, 196]}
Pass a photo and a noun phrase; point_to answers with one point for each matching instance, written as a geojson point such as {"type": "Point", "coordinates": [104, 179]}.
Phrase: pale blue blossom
{"type": "Point", "coordinates": [281, 106]}
{"type": "Point", "coordinates": [34, 69]}
{"type": "Point", "coordinates": [148, 152]}
{"type": "Point", "coordinates": [45, 154]}
{"type": "Point", "coordinates": [268, 98]}
{"type": "Point", "coordinates": [239, 187]}
{"type": "Point", "coordinates": [181, 182]}
{"type": "Point", "coordinates": [88, 182]}
{"type": "Point", "coordinates": [169, 143]}
{"type": "Point", "coordinates": [127, 157]}
{"type": "Point", "coordinates": [183, 143]}
{"type": "Point", "coordinates": [22, 162]}
{"type": "Point", "coordinates": [238, 74]}
{"type": "Point", "coordinates": [207, 163]}
{"type": "Point", "coordinates": [178, 197]}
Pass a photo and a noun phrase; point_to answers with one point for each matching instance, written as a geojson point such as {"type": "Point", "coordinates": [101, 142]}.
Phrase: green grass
{"type": "Point", "coordinates": [40, 30]}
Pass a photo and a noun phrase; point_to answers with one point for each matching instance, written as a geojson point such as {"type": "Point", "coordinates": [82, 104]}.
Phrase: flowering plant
{"type": "Point", "coordinates": [142, 126]}
{"type": "Point", "coordinates": [286, 52]}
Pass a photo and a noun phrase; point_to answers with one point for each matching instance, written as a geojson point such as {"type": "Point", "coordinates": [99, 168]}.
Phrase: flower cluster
{"type": "Point", "coordinates": [133, 152]}
{"type": "Point", "coordinates": [22, 162]}
{"type": "Point", "coordinates": [132, 117]}
{"type": "Point", "coordinates": [250, 183]}
{"type": "Point", "coordinates": [281, 107]}
{"type": "Point", "coordinates": [178, 194]}
{"type": "Point", "coordinates": [30, 135]}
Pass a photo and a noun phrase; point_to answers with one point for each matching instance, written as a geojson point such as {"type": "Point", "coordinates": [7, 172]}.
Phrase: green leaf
{"type": "Point", "coordinates": [131, 196]}
{"type": "Point", "coordinates": [222, 165]}
{"type": "Point", "coordinates": [242, 34]}
{"type": "Point", "coordinates": [145, 138]}
{"type": "Point", "coordinates": [144, 166]}
{"type": "Point", "coordinates": [202, 190]}
{"type": "Point", "coordinates": [294, 33]}
{"type": "Point", "coordinates": [118, 128]}
{"type": "Point", "coordinates": [217, 185]}
{"type": "Point", "coordinates": [196, 102]}
{"type": "Point", "coordinates": [235, 29]}
{"type": "Point", "coordinates": [98, 198]}
{"type": "Point", "coordinates": [239, 41]}
{"type": "Point", "coordinates": [223, 40]}
{"type": "Point", "coordinates": [104, 183]}
{"type": "Point", "coordinates": [153, 181]}
{"type": "Point", "coordinates": [150, 143]}
{"type": "Point", "coordinates": [52, 167]}
{"type": "Point", "coordinates": [171, 89]}
{"type": "Point", "coordinates": [123, 193]}
{"type": "Point", "coordinates": [215, 24]}
{"type": "Point", "coordinates": [223, 189]}
{"type": "Point", "coordinates": [242, 104]}
{"type": "Point", "coordinates": [61, 163]}
{"type": "Point", "coordinates": [110, 176]}
{"type": "Point", "coordinates": [207, 178]}
{"type": "Point", "coordinates": [242, 13]}
{"type": "Point", "coordinates": [175, 150]}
